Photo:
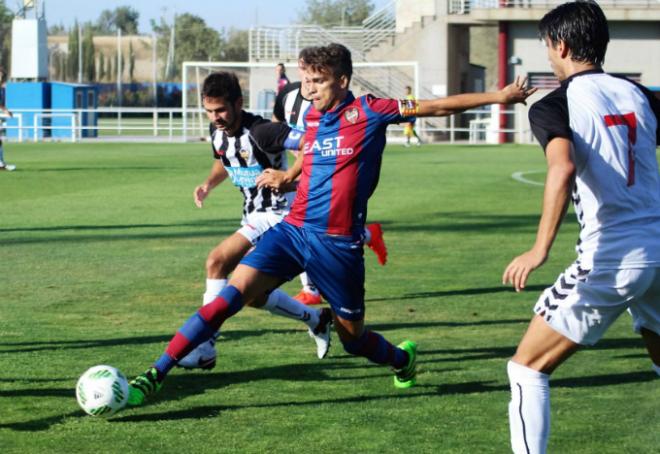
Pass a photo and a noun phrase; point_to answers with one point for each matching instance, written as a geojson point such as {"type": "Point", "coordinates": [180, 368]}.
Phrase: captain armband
{"type": "Point", "coordinates": [408, 107]}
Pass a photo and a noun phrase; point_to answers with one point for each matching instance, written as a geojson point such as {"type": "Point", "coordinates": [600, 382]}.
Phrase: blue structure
{"type": "Point", "coordinates": [62, 97]}
{"type": "Point", "coordinates": [27, 95]}
{"type": "Point", "coordinates": [68, 97]}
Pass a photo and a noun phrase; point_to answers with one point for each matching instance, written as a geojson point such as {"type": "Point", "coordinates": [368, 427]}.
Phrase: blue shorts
{"type": "Point", "coordinates": [334, 264]}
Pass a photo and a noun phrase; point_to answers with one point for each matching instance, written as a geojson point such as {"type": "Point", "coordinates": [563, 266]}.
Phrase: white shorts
{"type": "Point", "coordinates": [582, 304]}
{"type": "Point", "coordinates": [255, 224]}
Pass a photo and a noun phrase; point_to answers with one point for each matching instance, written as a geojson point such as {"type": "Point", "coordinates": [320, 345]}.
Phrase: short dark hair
{"type": "Point", "coordinates": [333, 58]}
{"type": "Point", "coordinates": [222, 84]}
{"type": "Point", "coordinates": [582, 26]}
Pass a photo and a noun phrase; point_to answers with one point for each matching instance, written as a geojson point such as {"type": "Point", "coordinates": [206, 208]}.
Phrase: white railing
{"type": "Point", "coordinates": [380, 26]}
{"type": "Point", "coordinates": [466, 6]}
{"type": "Point", "coordinates": [39, 126]}
{"type": "Point", "coordinates": [112, 123]}
{"type": "Point", "coordinates": [158, 125]}
{"type": "Point", "coordinates": [284, 43]}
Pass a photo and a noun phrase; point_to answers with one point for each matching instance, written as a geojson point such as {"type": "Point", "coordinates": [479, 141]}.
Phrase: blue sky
{"type": "Point", "coordinates": [217, 13]}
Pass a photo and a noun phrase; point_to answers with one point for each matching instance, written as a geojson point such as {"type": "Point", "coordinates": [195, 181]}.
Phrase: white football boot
{"type": "Point", "coordinates": [321, 334]}
{"type": "Point", "coordinates": [202, 357]}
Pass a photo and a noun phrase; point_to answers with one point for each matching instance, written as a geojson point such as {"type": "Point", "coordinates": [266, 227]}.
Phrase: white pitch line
{"type": "Point", "coordinates": [518, 176]}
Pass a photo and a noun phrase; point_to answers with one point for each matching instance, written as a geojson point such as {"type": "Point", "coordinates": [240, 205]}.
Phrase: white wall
{"type": "Point", "coordinates": [29, 50]}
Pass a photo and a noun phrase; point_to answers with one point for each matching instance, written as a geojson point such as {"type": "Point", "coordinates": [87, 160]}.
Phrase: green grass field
{"type": "Point", "coordinates": [102, 258]}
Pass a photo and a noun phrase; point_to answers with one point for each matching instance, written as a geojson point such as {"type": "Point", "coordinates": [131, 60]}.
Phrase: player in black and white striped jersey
{"type": "Point", "coordinates": [244, 145]}
{"type": "Point", "coordinates": [290, 107]}
{"type": "Point", "coordinates": [600, 135]}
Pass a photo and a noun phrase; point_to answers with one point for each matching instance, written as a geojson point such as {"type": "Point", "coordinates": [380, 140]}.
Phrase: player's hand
{"type": "Point", "coordinates": [521, 267]}
{"type": "Point", "coordinates": [517, 91]}
{"type": "Point", "coordinates": [200, 193]}
{"type": "Point", "coordinates": [273, 179]}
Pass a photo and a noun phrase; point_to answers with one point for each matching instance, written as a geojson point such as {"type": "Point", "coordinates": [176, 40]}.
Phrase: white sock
{"type": "Point", "coordinates": [529, 409]}
{"type": "Point", "coordinates": [213, 288]}
{"type": "Point", "coordinates": [656, 368]}
{"type": "Point", "coordinates": [367, 236]}
{"type": "Point", "coordinates": [279, 303]}
{"type": "Point", "coordinates": [308, 285]}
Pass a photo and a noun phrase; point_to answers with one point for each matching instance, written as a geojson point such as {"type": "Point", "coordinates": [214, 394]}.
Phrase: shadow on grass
{"type": "Point", "coordinates": [33, 346]}
{"type": "Point", "coordinates": [468, 222]}
{"type": "Point", "coordinates": [181, 385]}
{"type": "Point", "coordinates": [65, 228]}
{"type": "Point", "coordinates": [458, 292]}
{"type": "Point", "coordinates": [199, 229]}
{"type": "Point", "coordinates": [469, 354]}
{"type": "Point", "coordinates": [226, 336]}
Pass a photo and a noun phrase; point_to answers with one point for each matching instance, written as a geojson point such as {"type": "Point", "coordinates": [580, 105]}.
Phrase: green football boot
{"type": "Point", "coordinates": [142, 386]}
{"type": "Point", "coordinates": [406, 376]}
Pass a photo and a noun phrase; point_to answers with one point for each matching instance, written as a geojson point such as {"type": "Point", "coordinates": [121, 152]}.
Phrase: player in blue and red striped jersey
{"type": "Point", "coordinates": [322, 235]}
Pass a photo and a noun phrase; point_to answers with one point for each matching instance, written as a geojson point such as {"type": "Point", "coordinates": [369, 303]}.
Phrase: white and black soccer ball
{"type": "Point", "coordinates": [102, 391]}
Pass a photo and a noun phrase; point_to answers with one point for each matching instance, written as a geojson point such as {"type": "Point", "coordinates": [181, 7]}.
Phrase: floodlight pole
{"type": "Point", "coordinates": [154, 69]}
{"type": "Point", "coordinates": [119, 68]}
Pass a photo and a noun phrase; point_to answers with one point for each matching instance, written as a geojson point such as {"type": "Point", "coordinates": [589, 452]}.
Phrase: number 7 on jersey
{"type": "Point", "coordinates": [630, 121]}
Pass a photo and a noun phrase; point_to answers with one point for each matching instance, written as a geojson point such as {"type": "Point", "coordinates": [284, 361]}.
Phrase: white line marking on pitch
{"type": "Point", "coordinates": [518, 176]}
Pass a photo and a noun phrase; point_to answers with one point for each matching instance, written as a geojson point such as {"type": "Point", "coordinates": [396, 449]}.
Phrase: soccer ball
{"type": "Point", "coordinates": [102, 391]}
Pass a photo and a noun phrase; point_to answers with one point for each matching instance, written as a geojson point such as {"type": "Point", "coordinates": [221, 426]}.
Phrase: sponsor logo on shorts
{"type": "Point", "coordinates": [349, 311]}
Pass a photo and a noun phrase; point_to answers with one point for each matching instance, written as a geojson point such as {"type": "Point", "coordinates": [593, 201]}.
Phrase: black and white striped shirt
{"type": "Point", "coordinates": [613, 125]}
{"type": "Point", "coordinates": [290, 106]}
{"type": "Point", "coordinates": [259, 144]}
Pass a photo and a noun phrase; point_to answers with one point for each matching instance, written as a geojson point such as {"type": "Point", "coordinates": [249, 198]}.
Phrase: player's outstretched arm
{"type": "Point", "coordinates": [511, 94]}
{"type": "Point", "coordinates": [557, 193]}
{"type": "Point", "coordinates": [218, 175]}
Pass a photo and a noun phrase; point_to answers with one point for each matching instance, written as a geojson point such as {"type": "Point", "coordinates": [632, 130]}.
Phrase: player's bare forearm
{"type": "Point", "coordinates": [557, 193]}
{"type": "Point", "coordinates": [218, 175]}
{"type": "Point", "coordinates": [511, 94]}
{"type": "Point", "coordinates": [558, 186]}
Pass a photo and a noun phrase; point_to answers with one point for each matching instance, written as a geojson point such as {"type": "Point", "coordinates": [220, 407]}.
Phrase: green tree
{"type": "Point", "coordinates": [101, 66]}
{"type": "Point", "coordinates": [6, 17]}
{"type": "Point", "coordinates": [131, 61]}
{"type": "Point", "coordinates": [57, 30]}
{"type": "Point", "coordinates": [124, 18]}
{"type": "Point", "coordinates": [110, 73]}
{"type": "Point", "coordinates": [330, 13]}
{"type": "Point", "coordinates": [235, 45]}
{"type": "Point", "coordinates": [72, 60]}
{"type": "Point", "coordinates": [89, 52]}
{"type": "Point", "coordinates": [194, 40]}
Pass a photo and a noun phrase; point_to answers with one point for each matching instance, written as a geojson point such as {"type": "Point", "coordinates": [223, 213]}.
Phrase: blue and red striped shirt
{"type": "Point", "coordinates": [342, 157]}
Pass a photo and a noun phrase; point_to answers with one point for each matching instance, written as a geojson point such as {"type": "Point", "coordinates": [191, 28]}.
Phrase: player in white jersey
{"type": "Point", "coordinates": [600, 135]}
{"type": "Point", "coordinates": [243, 146]}
{"type": "Point", "coordinates": [5, 114]}
{"type": "Point", "coordinates": [290, 106]}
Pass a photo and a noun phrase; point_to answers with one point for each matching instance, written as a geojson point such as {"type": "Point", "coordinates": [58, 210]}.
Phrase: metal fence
{"type": "Point", "coordinates": [466, 6]}
{"type": "Point", "coordinates": [167, 125]}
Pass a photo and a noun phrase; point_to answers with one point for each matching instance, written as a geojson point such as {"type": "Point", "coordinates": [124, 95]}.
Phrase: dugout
{"type": "Point", "coordinates": [65, 100]}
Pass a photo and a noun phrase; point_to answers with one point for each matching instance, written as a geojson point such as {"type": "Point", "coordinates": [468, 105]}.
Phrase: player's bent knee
{"type": "Point", "coordinates": [218, 266]}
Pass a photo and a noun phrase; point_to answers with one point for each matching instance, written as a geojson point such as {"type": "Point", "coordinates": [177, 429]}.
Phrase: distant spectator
{"type": "Point", "coordinates": [282, 80]}
{"type": "Point", "coordinates": [5, 113]}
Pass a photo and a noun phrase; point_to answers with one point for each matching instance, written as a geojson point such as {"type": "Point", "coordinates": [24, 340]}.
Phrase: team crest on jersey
{"type": "Point", "coordinates": [352, 115]}
{"type": "Point", "coordinates": [244, 153]}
